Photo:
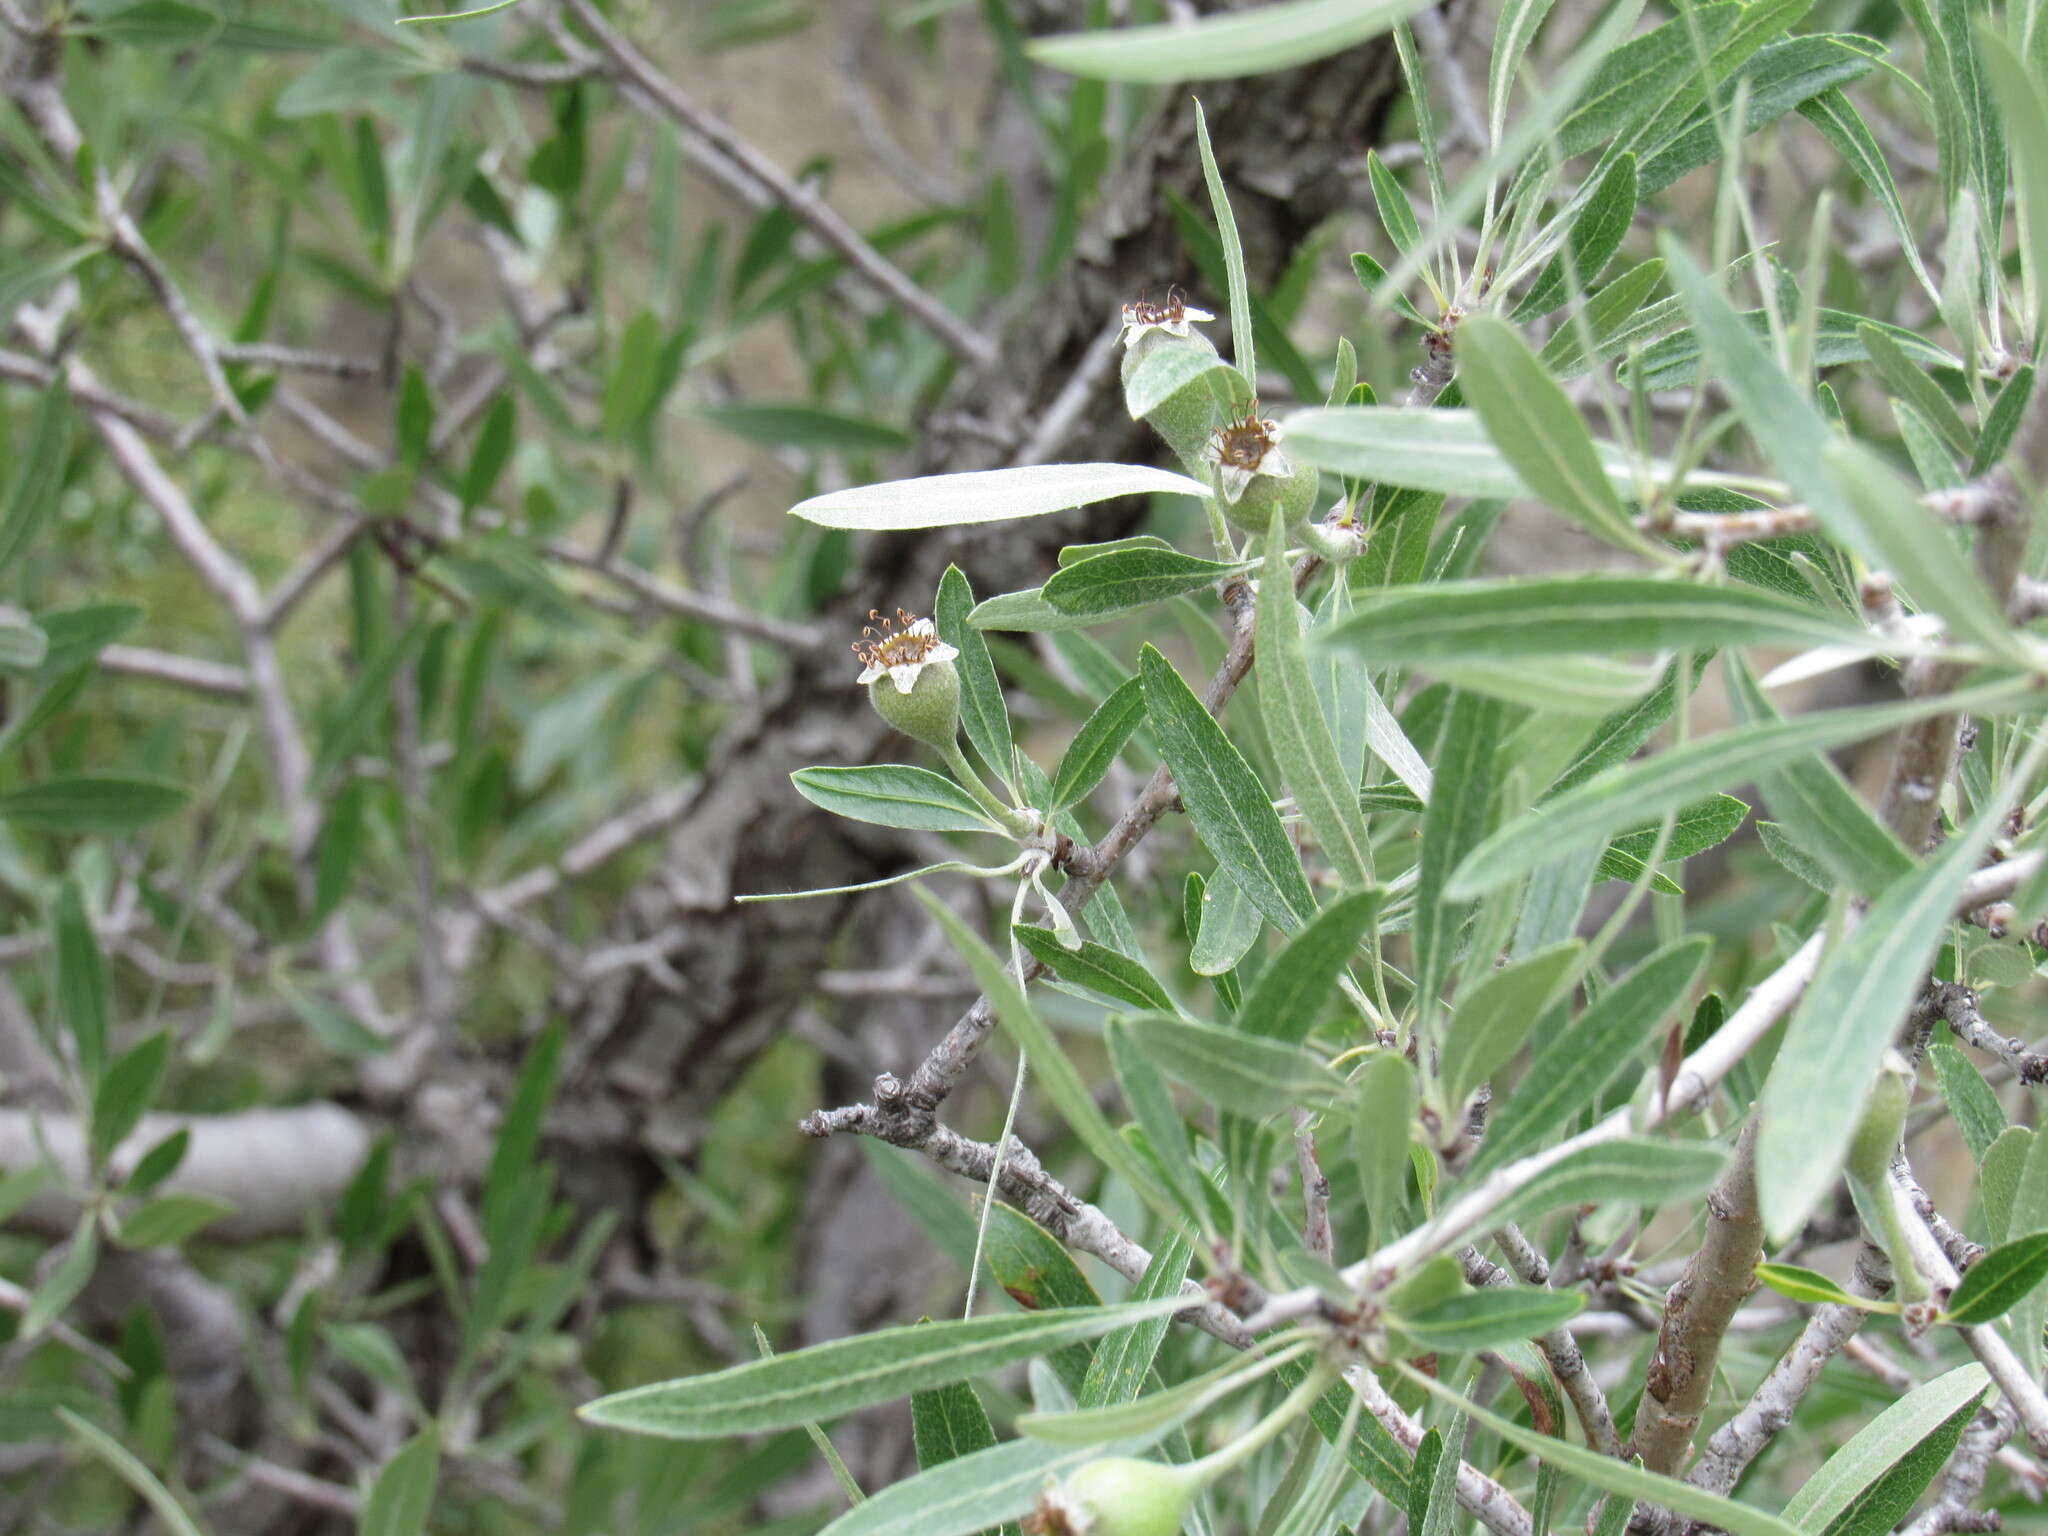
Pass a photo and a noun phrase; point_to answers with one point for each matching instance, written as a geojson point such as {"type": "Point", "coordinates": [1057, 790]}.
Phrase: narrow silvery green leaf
{"type": "Point", "coordinates": [1123, 1360]}
{"type": "Point", "coordinates": [1490, 1317]}
{"type": "Point", "coordinates": [1096, 967]}
{"type": "Point", "coordinates": [1999, 1280]}
{"type": "Point", "coordinates": [1229, 927]}
{"type": "Point", "coordinates": [1130, 578]}
{"type": "Point", "coordinates": [1622, 796]}
{"type": "Point", "coordinates": [1154, 1413]}
{"type": "Point", "coordinates": [1836, 1041]}
{"type": "Point", "coordinates": [1905, 379]}
{"type": "Point", "coordinates": [1698, 827]}
{"type": "Point", "coordinates": [1512, 35]}
{"type": "Point", "coordinates": [1493, 1019]}
{"type": "Point", "coordinates": [1223, 47]}
{"type": "Point", "coordinates": [1599, 615]}
{"type": "Point", "coordinates": [1818, 809]}
{"type": "Point", "coordinates": [1026, 611]}
{"type": "Point", "coordinates": [1596, 234]}
{"type": "Point", "coordinates": [893, 795]}
{"type": "Point", "coordinates": [1232, 811]}
{"type": "Point", "coordinates": [1452, 827]}
{"type": "Point", "coordinates": [2026, 1176]}
{"type": "Point", "coordinates": [1565, 355]}
{"type": "Point", "coordinates": [1852, 1472]}
{"type": "Point", "coordinates": [1630, 1170]}
{"type": "Point", "coordinates": [81, 982]}
{"type": "Point", "coordinates": [60, 1283]}
{"type": "Point", "coordinates": [828, 1380]}
{"type": "Point", "coordinates": [1538, 430]}
{"type": "Point", "coordinates": [1975, 1108]}
{"type": "Point", "coordinates": [1900, 535]}
{"type": "Point", "coordinates": [1571, 1068]}
{"type": "Point", "coordinates": [1431, 450]}
{"type": "Point", "coordinates": [1571, 685]}
{"type": "Point", "coordinates": [1233, 256]}
{"type": "Point", "coordinates": [1295, 727]}
{"type": "Point", "coordinates": [133, 1472]}
{"type": "Point", "coordinates": [1799, 1284]}
{"type": "Point", "coordinates": [1842, 125]}
{"type": "Point", "coordinates": [1612, 1475]}
{"type": "Point", "coordinates": [402, 1497]}
{"type": "Point", "coordinates": [1050, 1065]}
{"type": "Point", "coordinates": [1151, 1104]}
{"type": "Point", "coordinates": [982, 711]}
{"type": "Point", "coordinates": [44, 456]}
{"type": "Point", "coordinates": [2002, 421]}
{"type": "Point", "coordinates": [1284, 1002]}
{"type": "Point", "coordinates": [2019, 93]}
{"type": "Point", "coordinates": [988, 495]}
{"type": "Point", "coordinates": [947, 1423]}
{"type": "Point", "coordinates": [1397, 215]}
{"type": "Point", "coordinates": [2000, 1177]}
{"type": "Point", "coordinates": [78, 802]}
{"type": "Point", "coordinates": [1656, 72]}
{"type": "Point", "coordinates": [1383, 1119]}
{"type": "Point", "coordinates": [1245, 1074]}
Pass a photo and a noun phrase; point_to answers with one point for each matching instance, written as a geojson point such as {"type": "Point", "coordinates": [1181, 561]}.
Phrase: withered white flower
{"type": "Point", "coordinates": [899, 649]}
{"type": "Point", "coordinates": [1175, 317]}
{"type": "Point", "coordinates": [1244, 450]}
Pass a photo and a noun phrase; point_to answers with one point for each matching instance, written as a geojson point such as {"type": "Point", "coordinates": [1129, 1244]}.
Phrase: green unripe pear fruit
{"type": "Point", "coordinates": [1116, 1496]}
{"type": "Point", "coordinates": [1294, 494]}
{"type": "Point", "coordinates": [930, 712]}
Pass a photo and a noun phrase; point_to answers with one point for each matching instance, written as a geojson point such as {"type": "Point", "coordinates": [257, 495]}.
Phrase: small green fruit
{"type": "Point", "coordinates": [910, 677]}
{"type": "Point", "coordinates": [1115, 1496]}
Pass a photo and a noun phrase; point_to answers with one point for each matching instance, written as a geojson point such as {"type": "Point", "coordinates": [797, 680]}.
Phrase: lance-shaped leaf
{"type": "Point", "coordinates": [893, 795]}
{"type": "Point", "coordinates": [1232, 811]}
{"type": "Point", "coordinates": [1494, 1018]}
{"type": "Point", "coordinates": [1130, 578]}
{"type": "Point", "coordinates": [1570, 1069]}
{"type": "Point", "coordinates": [1632, 1170]}
{"type": "Point", "coordinates": [1290, 993]}
{"type": "Point", "coordinates": [1801, 1284]}
{"type": "Point", "coordinates": [1097, 967]}
{"type": "Point", "coordinates": [1612, 1475]}
{"type": "Point", "coordinates": [1871, 1482]}
{"type": "Point", "coordinates": [1621, 797]}
{"type": "Point", "coordinates": [1853, 1008]}
{"type": "Point", "coordinates": [1977, 1112]}
{"type": "Point", "coordinates": [1538, 430]}
{"type": "Point", "coordinates": [982, 710]}
{"type": "Point", "coordinates": [988, 495]}
{"type": "Point", "coordinates": [1242, 1073]}
{"type": "Point", "coordinates": [828, 1380]}
{"type": "Point", "coordinates": [1223, 47]}
{"type": "Point", "coordinates": [1818, 809]}
{"type": "Point", "coordinates": [91, 803]}
{"type": "Point", "coordinates": [1596, 235]}
{"type": "Point", "coordinates": [1296, 728]}
{"type": "Point", "coordinates": [1599, 615]}
{"type": "Point", "coordinates": [1124, 1359]}
{"type": "Point", "coordinates": [1487, 1318]}
{"type": "Point", "coordinates": [1430, 450]}
{"type": "Point", "coordinates": [1999, 1280]}
{"type": "Point", "coordinates": [1096, 745]}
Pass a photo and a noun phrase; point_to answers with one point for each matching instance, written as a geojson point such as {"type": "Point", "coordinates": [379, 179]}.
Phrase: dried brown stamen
{"type": "Point", "coordinates": [1245, 444]}
{"type": "Point", "coordinates": [894, 641]}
